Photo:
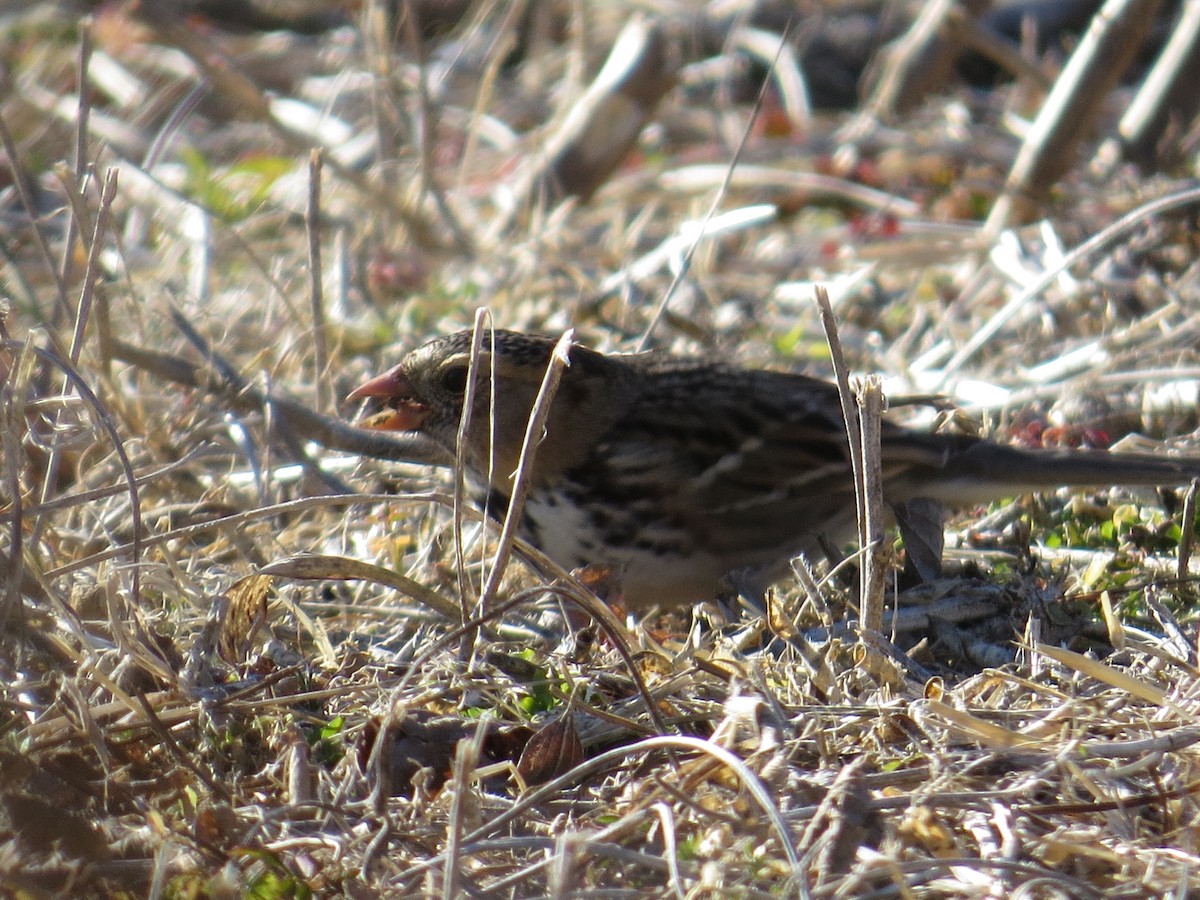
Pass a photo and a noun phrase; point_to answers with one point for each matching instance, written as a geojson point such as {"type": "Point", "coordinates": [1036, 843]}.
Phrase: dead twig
{"type": "Point", "coordinates": [1106, 51]}
{"type": "Point", "coordinates": [326, 431]}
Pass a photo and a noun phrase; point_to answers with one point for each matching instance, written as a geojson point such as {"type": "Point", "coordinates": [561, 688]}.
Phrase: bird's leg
{"type": "Point", "coordinates": [922, 525]}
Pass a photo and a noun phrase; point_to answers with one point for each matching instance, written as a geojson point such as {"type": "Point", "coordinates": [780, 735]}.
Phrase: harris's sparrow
{"type": "Point", "coordinates": [677, 472]}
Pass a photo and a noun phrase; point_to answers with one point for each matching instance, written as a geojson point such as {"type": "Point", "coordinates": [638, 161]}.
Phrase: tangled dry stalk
{"type": "Point", "coordinates": [239, 657]}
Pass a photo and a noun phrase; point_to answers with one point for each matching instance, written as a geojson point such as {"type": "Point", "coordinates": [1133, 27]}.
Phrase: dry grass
{"type": "Point", "coordinates": [209, 688]}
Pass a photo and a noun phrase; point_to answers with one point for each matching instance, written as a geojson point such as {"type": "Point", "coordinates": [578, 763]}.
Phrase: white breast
{"type": "Point", "coordinates": [565, 532]}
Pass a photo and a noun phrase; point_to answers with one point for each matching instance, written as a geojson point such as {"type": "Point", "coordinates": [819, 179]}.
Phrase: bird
{"type": "Point", "coordinates": [677, 473]}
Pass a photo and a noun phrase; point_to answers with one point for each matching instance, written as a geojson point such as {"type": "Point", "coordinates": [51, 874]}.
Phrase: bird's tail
{"type": "Point", "coordinates": [976, 471]}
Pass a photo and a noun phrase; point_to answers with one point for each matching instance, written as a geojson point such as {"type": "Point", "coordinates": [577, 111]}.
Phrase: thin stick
{"type": "Point", "coordinates": [466, 761]}
{"type": "Point", "coordinates": [20, 178]}
{"type": "Point", "coordinates": [559, 360]}
{"type": "Point", "coordinates": [808, 581]}
{"type": "Point", "coordinates": [460, 456]}
{"type": "Point", "coordinates": [686, 263]}
{"type": "Point", "coordinates": [236, 520]}
{"type": "Point", "coordinates": [500, 47]}
{"type": "Point", "coordinates": [915, 63]}
{"type": "Point", "coordinates": [1168, 94]}
{"type": "Point", "coordinates": [315, 290]}
{"type": "Point", "coordinates": [1187, 529]}
{"type": "Point", "coordinates": [82, 498]}
{"type": "Point", "coordinates": [90, 274]}
{"type": "Point", "coordinates": [105, 421]}
{"type": "Point", "coordinates": [849, 407]}
{"type": "Point", "coordinates": [871, 405]}
{"type": "Point", "coordinates": [230, 82]}
{"type": "Point", "coordinates": [1108, 47]}
{"type": "Point", "coordinates": [1094, 244]}
{"type": "Point", "coordinates": [239, 394]}
{"type": "Point", "coordinates": [81, 134]}
{"type": "Point", "coordinates": [50, 480]}
{"type": "Point", "coordinates": [13, 421]}
{"type": "Point", "coordinates": [427, 129]}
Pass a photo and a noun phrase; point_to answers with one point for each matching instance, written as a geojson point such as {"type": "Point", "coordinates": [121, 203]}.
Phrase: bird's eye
{"type": "Point", "coordinates": [454, 379]}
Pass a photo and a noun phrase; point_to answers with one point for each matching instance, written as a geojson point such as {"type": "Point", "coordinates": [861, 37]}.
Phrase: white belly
{"type": "Point", "coordinates": [568, 535]}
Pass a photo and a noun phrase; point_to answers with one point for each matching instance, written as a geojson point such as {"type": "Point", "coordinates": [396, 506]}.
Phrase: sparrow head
{"type": "Point", "coordinates": [425, 392]}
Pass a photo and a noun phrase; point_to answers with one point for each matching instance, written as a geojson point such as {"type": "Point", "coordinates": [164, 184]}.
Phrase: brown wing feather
{"type": "Point", "coordinates": [767, 467]}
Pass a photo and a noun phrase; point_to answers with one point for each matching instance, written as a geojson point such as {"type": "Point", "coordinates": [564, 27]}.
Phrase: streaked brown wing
{"type": "Point", "coordinates": [766, 467]}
